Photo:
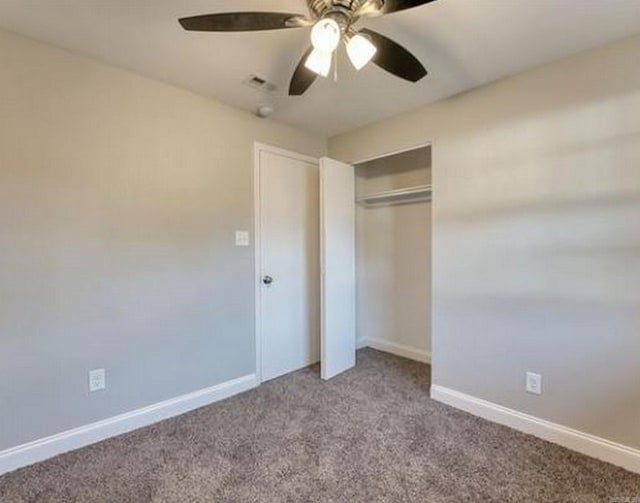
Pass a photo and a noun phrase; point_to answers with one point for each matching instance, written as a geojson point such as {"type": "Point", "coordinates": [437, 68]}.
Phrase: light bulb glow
{"type": "Point", "coordinates": [360, 51]}
{"type": "Point", "coordinates": [319, 62]}
{"type": "Point", "coordinates": [325, 35]}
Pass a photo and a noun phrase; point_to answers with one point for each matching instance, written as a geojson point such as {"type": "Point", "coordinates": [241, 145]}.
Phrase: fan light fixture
{"type": "Point", "coordinates": [360, 51]}
{"type": "Point", "coordinates": [319, 62]}
{"type": "Point", "coordinates": [325, 38]}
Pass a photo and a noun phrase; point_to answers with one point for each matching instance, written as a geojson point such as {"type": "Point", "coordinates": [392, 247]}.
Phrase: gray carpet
{"type": "Point", "coordinates": [371, 434]}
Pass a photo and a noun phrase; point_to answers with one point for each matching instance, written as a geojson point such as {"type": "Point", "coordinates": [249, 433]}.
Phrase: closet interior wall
{"type": "Point", "coordinates": [393, 247]}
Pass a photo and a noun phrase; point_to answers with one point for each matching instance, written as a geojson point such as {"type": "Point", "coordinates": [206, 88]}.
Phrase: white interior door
{"type": "Point", "coordinates": [338, 312]}
{"type": "Point", "coordinates": [289, 262]}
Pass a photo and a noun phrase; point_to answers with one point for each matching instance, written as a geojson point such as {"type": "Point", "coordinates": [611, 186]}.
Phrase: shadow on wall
{"type": "Point", "coordinates": [543, 268]}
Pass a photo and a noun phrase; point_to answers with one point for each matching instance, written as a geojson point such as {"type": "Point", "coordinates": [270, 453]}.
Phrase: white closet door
{"type": "Point", "coordinates": [337, 210]}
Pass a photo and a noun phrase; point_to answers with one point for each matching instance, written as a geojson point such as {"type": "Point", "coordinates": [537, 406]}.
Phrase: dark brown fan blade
{"type": "Point", "coordinates": [302, 77]}
{"type": "Point", "coordinates": [390, 6]}
{"type": "Point", "coordinates": [394, 58]}
{"type": "Point", "coordinates": [244, 21]}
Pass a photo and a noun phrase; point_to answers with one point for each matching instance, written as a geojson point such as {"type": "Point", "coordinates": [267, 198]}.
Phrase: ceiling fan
{"type": "Point", "coordinates": [332, 21]}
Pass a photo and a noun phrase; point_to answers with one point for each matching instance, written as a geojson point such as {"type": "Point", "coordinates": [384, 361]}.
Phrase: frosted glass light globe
{"type": "Point", "coordinates": [325, 35]}
{"type": "Point", "coordinates": [319, 62]}
{"type": "Point", "coordinates": [360, 51]}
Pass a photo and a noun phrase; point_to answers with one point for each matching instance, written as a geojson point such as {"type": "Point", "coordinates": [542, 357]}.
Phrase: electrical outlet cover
{"type": "Point", "coordinates": [97, 380]}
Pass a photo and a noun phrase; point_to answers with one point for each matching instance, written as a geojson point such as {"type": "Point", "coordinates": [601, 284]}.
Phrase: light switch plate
{"type": "Point", "coordinates": [242, 238]}
{"type": "Point", "coordinates": [534, 383]}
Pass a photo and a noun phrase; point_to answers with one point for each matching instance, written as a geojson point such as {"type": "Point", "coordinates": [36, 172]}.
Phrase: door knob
{"type": "Point", "coordinates": [267, 280]}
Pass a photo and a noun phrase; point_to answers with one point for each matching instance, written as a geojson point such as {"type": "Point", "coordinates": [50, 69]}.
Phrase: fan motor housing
{"type": "Point", "coordinates": [340, 15]}
{"type": "Point", "coordinates": [348, 7]}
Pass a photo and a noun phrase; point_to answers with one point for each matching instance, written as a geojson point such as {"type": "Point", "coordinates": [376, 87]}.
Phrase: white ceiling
{"type": "Point", "coordinates": [463, 44]}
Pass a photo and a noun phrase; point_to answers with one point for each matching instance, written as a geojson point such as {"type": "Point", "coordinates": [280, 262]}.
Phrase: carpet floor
{"type": "Point", "coordinates": [369, 435]}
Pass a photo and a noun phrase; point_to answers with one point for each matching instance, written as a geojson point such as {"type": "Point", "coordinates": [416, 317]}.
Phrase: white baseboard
{"type": "Point", "coordinates": [45, 448]}
{"type": "Point", "coordinates": [361, 342]}
{"type": "Point", "coordinates": [396, 349]}
{"type": "Point", "coordinates": [585, 443]}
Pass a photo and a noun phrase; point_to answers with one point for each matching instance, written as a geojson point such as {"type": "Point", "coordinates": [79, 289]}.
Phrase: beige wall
{"type": "Point", "coordinates": [536, 237]}
{"type": "Point", "coordinates": [394, 257]}
{"type": "Point", "coordinates": [119, 197]}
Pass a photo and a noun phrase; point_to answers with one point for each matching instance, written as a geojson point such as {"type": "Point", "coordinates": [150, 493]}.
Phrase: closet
{"type": "Point", "coordinates": [393, 253]}
{"type": "Point", "coordinates": [333, 273]}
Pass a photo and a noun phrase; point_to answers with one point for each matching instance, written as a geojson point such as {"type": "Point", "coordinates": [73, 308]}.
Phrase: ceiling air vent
{"type": "Point", "coordinates": [260, 83]}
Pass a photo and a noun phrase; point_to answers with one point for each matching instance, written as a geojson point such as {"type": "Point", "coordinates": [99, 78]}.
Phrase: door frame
{"type": "Point", "coordinates": [258, 148]}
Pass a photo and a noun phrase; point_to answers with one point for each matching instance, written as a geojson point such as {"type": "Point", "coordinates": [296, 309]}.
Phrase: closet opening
{"type": "Point", "coordinates": [393, 253]}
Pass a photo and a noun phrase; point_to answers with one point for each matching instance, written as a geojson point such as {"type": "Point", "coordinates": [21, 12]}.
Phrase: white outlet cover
{"type": "Point", "coordinates": [97, 380]}
{"type": "Point", "coordinates": [242, 238]}
{"type": "Point", "coordinates": [533, 383]}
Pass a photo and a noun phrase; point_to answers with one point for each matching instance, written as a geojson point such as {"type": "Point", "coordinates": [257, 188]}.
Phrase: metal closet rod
{"type": "Point", "coordinates": [405, 195]}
